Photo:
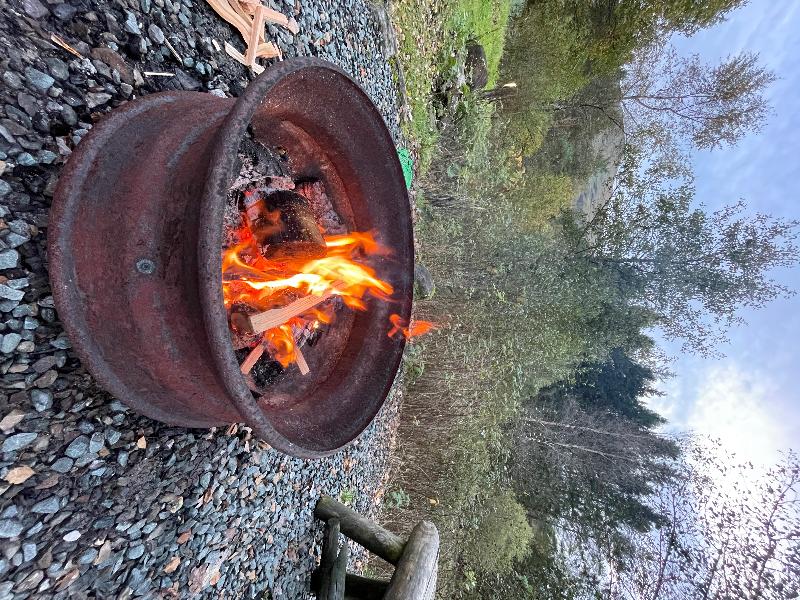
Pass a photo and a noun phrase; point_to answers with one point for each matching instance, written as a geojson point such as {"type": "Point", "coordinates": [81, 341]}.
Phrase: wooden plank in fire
{"type": "Point", "coordinates": [276, 317]}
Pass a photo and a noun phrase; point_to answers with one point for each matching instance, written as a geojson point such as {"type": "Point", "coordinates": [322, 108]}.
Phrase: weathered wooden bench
{"type": "Point", "coordinates": [415, 559]}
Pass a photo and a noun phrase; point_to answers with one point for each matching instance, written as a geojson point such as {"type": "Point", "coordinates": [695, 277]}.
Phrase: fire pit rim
{"type": "Point", "coordinates": [215, 192]}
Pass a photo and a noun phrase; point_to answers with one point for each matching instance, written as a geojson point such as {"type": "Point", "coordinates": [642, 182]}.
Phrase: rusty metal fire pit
{"type": "Point", "coordinates": [135, 245]}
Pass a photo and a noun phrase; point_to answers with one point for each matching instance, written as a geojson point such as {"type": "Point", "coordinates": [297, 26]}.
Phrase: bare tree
{"type": "Point", "coordinates": [665, 94]}
{"type": "Point", "coordinates": [729, 535]}
{"type": "Point", "coordinates": [709, 105]}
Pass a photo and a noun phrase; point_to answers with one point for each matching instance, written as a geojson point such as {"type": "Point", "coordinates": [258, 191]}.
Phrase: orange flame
{"type": "Point", "coordinates": [251, 279]}
{"type": "Point", "coordinates": [400, 325]}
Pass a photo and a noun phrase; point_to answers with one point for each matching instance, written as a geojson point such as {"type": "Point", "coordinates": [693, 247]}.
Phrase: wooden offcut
{"type": "Point", "coordinates": [252, 358]}
{"type": "Point", "coordinates": [301, 361]}
{"type": "Point", "coordinates": [275, 317]}
{"type": "Point", "coordinates": [249, 18]}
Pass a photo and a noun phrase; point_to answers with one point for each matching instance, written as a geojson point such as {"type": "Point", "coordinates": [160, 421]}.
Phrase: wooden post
{"type": "Point", "coordinates": [415, 575]}
{"type": "Point", "coordinates": [330, 550]}
{"type": "Point", "coordinates": [337, 584]}
{"type": "Point", "coordinates": [361, 530]}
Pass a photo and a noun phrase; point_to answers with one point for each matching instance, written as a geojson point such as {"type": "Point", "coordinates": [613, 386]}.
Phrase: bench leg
{"type": "Point", "coordinates": [330, 552]}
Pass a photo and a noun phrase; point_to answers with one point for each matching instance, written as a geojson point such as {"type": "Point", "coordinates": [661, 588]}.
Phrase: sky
{"type": "Point", "coordinates": [750, 399]}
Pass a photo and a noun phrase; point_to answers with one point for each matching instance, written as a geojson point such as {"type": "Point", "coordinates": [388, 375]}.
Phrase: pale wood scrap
{"type": "Point", "coordinates": [255, 35]}
{"type": "Point", "coordinates": [174, 52]}
{"type": "Point", "coordinates": [249, 18]}
{"type": "Point", "coordinates": [301, 361]}
{"type": "Point", "coordinates": [239, 57]}
{"type": "Point", "coordinates": [278, 316]}
{"type": "Point", "coordinates": [252, 358]}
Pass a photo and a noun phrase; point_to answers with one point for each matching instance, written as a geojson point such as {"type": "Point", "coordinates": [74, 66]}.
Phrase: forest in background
{"type": "Point", "coordinates": [526, 433]}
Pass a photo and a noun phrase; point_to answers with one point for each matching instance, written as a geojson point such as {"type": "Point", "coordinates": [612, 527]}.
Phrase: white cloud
{"type": "Point", "coordinates": [736, 406]}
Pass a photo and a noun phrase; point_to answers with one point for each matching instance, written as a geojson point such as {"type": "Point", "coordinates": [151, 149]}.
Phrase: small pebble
{"type": "Point", "coordinates": [72, 536]}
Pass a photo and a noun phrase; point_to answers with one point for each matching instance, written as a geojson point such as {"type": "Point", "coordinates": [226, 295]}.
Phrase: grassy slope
{"type": "Point", "coordinates": [512, 321]}
{"type": "Point", "coordinates": [432, 33]}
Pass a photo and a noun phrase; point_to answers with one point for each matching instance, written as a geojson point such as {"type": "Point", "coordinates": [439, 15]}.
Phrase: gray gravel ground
{"type": "Point", "coordinates": [96, 501]}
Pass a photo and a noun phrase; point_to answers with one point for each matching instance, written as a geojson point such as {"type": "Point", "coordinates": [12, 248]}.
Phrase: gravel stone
{"type": "Point", "coordinates": [96, 442]}
{"type": "Point", "coordinates": [5, 188]}
{"type": "Point", "coordinates": [47, 379]}
{"type": "Point", "coordinates": [8, 259]}
{"type": "Point", "coordinates": [41, 81]}
{"type": "Point", "coordinates": [42, 400]}
{"type": "Point", "coordinates": [45, 363]}
{"type": "Point", "coordinates": [10, 528]}
{"type": "Point", "coordinates": [72, 536]}
{"type": "Point", "coordinates": [48, 506]}
{"type": "Point", "coordinates": [64, 11]}
{"type": "Point", "coordinates": [34, 9]}
{"type": "Point", "coordinates": [12, 80]}
{"type": "Point", "coordinates": [58, 68]}
{"type": "Point", "coordinates": [78, 447]}
{"type": "Point", "coordinates": [18, 441]}
{"type": "Point", "coordinates": [155, 33]}
{"type": "Point", "coordinates": [95, 99]}
{"type": "Point", "coordinates": [10, 293]}
{"type": "Point", "coordinates": [9, 342]}
{"type": "Point", "coordinates": [28, 551]}
{"type": "Point", "coordinates": [63, 465]}
{"type": "Point", "coordinates": [46, 157]}
{"type": "Point", "coordinates": [26, 159]}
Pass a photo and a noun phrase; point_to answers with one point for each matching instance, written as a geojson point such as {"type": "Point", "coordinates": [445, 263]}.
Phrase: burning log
{"type": "Point", "coordinates": [278, 316]}
{"type": "Point", "coordinates": [283, 225]}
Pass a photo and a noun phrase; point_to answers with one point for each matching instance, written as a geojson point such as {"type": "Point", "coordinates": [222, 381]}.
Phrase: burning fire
{"type": "Point", "coordinates": [251, 279]}
{"type": "Point", "coordinates": [400, 325]}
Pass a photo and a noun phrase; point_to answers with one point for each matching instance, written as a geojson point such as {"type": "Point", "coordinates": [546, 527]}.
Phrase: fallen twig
{"type": "Point", "coordinates": [174, 52]}
{"type": "Point", "coordinates": [60, 41]}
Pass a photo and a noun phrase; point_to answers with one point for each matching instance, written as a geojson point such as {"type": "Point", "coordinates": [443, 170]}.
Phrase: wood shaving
{"type": "Point", "coordinates": [249, 18]}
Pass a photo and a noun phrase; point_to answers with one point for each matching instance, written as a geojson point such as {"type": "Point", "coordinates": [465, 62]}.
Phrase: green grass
{"type": "Point", "coordinates": [432, 36]}
{"type": "Point", "coordinates": [486, 22]}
